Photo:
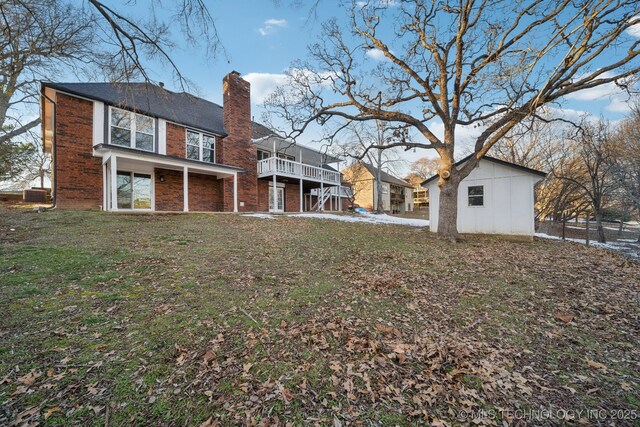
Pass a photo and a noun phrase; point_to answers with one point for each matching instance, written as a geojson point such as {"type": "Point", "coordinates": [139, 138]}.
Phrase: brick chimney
{"type": "Point", "coordinates": [236, 149]}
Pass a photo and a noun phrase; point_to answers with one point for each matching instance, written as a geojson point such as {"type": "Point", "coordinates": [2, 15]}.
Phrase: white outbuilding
{"type": "Point", "coordinates": [496, 198]}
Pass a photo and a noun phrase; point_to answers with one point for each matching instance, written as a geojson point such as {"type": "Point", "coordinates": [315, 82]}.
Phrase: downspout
{"type": "Point", "coordinates": [54, 173]}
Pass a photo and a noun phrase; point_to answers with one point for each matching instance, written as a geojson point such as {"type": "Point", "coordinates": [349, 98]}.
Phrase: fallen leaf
{"type": "Point", "coordinates": [564, 318]}
{"type": "Point", "coordinates": [51, 411]}
{"type": "Point", "coordinates": [595, 364]}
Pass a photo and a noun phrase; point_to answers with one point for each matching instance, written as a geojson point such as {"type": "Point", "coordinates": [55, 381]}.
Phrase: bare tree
{"type": "Point", "coordinates": [44, 38]}
{"type": "Point", "coordinates": [38, 38]}
{"type": "Point", "coordinates": [135, 40]}
{"type": "Point", "coordinates": [363, 136]}
{"type": "Point", "coordinates": [424, 167]}
{"type": "Point", "coordinates": [626, 161]}
{"type": "Point", "coordinates": [490, 63]}
{"type": "Point", "coordinates": [590, 167]}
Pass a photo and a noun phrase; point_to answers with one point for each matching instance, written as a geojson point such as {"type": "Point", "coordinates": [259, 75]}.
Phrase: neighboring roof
{"type": "Point", "coordinates": [494, 160]}
{"type": "Point", "coordinates": [152, 100]}
{"type": "Point", "coordinates": [385, 177]}
{"type": "Point", "coordinates": [264, 138]}
{"type": "Point", "coordinates": [260, 131]}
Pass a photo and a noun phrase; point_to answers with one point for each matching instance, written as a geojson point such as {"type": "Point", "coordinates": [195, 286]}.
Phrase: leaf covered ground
{"type": "Point", "coordinates": [113, 319]}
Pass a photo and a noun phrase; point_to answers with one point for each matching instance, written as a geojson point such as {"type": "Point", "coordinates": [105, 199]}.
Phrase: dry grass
{"type": "Point", "coordinates": [191, 319]}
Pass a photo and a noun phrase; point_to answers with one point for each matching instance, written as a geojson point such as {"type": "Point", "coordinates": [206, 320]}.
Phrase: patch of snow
{"type": "Point", "coordinates": [367, 217]}
{"type": "Point", "coordinates": [260, 215]}
{"type": "Point", "coordinates": [628, 240]}
{"type": "Point", "coordinates": [623, 247]}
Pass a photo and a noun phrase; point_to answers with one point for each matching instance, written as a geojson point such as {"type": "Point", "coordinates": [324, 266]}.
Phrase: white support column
{"type": "Point", "coordinates": [114, 183]}
{"type": "Point", "coordinates": [185, 189]}
{"type": "Point", "coordinates": [339, 189]}
{"type": "Point", "coordinates": [275, 193]}
{"type": "Point", "coordinates": [301, 184]}
{"type": "Point", "coordinates": [321, 195]}
{"type": "Point", "coordinates": [105, 196]}
{"type": "Point", "coordinates": [235, 192]}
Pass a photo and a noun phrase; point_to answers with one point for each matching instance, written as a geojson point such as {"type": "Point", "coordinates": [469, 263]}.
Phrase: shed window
{"type": "Point", "coordinates": [476, 195]}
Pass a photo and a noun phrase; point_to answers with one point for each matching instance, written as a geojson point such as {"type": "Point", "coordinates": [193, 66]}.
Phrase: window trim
{"type": "Point", "coordinates": [267, 152]}
{"type": "Point", "coordinates": [201, 148]}
{"type": "Point", "coordinates": [475, 196]}
{"type": "Point", "coordinates": [133, 130]}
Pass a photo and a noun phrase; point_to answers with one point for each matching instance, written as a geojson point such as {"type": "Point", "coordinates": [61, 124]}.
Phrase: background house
{"type": "Point", "coordinates": [397, 194]}
{"type": "Point", "coordinates": [496, 198]}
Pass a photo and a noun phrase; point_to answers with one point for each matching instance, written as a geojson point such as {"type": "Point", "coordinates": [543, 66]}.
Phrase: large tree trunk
{"type": "Point", "coordinates": [601, 237]}
{"type": "Point", "coordinates": [379, 201]}
{"type": "Point", "coordinates": [448, 210]}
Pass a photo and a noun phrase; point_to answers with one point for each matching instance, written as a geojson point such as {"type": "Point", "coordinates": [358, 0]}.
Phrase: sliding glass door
{"type": "Point", "coordinates": [134, 190]}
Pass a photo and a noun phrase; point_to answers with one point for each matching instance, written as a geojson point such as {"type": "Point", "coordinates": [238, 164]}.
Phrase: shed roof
{"type": "Point", "coordinates": [494, 160]}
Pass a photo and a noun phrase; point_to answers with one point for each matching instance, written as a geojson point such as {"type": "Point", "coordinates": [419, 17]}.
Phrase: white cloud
{"type": "Point", "coordinates": [270, 26]}
{"type": "Point", "coordinates": [377, 3]}
{"type": "Point", "coordinates": [634, 30]}
{"type": "Point", "coordinates": [376, 54]}
{"type": "Point", "coordinates": [616, 96]}
{"type": "Point", "coordinates": [263, 85]}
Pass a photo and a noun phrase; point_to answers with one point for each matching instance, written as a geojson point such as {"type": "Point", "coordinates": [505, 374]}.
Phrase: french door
{"type": "Point", "coordinates": [280, 200]}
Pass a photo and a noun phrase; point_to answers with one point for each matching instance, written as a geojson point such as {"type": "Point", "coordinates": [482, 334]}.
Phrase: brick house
{"type": "Point", "coordinates": [138, 146]}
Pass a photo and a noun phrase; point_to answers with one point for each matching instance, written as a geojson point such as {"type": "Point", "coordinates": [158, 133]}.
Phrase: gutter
{"type": "Point", "coordinates": [54, 173]}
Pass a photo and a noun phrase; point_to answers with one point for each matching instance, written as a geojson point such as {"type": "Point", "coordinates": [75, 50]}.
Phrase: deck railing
{"type": "Point", "coordinates": [284, 167]}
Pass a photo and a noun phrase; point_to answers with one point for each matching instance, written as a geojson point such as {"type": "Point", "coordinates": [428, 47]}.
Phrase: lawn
{"type": "Point", "coordinates": [113, 319]}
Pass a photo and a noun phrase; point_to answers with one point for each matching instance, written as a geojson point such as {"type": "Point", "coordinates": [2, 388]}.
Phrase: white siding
{"type": "Point", "coordinates": [98, 122]}
{"type": "Point", "coordinates": [162, 136]}
{"type": "Point", "coordinates": [508, 201]}
{"type": "Point", "coordinates": [408, 199]}
{"type": "Point", "coordinates": [434, 205]}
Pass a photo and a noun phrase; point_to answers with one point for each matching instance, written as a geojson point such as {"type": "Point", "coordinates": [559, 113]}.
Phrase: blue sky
{"type": "Point", "coordinates": [262, 38]}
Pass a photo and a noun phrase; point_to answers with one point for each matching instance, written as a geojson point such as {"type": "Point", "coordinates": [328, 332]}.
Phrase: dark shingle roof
{"type": "Point", "coordinates": [494, 160]}
{"type": "Point", "coordinates": [387, 177]}
{"type": "Point", "coordinates": [152, 100]}
{"type": "Point", "coordinates": [260, 131]}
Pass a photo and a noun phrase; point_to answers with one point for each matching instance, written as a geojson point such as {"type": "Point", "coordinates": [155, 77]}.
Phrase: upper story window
{"type": "Point", "coordinates": [385, 188]}
{"type": "Point", "coordinates": [201, 146]}
{"type": "Point", "coordinates": [476, 195]}
{"type": "Point", "coordinates": [286, 157]}
{"type": "Point", "coordinates": [129, 129]}
{"type": "Point", "coordinates": [262, 154]}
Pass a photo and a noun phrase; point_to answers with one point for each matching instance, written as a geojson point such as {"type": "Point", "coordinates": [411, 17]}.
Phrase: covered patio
{"type": "Point", "coordinates": [139, 181]}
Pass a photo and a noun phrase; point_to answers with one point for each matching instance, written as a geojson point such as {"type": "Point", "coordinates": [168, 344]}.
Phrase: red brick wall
{"type": "Point", "coordinates": [169, 196]}
{"type": "Point", "coordinates": [292, 198]}
{"type": "Point", "coordinates": [176, 140]}
{"type": "Point", "coordinates": [236, 149]}
{"type": "Point", "coordinates": [205, 193]}
{"type": "Point", "coordinates": [78, 174]}
{"type": "Point", "coordinates": [263, 195]}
